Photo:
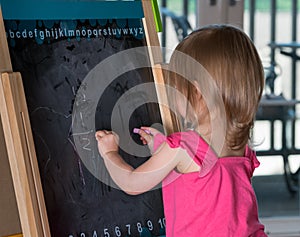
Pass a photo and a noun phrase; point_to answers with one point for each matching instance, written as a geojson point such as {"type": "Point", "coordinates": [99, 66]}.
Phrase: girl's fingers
{"type": "Point", "coordinates": [145, 136]}
{"type": "Point", "coordinates": [101, 133]}
{"type": "Point", "coordinates": [144, 141]}
{"type": "Point", "coordinates": [147, 129]}
{"type": "Point", "coordinates": [150, 130]}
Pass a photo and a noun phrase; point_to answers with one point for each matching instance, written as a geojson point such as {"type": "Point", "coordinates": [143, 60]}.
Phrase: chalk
{"type": "Point", "coordinates": [137, 130]}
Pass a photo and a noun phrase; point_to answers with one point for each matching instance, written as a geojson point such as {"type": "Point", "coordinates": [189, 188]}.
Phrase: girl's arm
{"type": "Point", "coordinates": [143, 178]}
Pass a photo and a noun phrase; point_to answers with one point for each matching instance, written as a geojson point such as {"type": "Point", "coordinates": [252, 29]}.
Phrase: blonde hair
{"type": "Point", "coordinates": [231, 59]}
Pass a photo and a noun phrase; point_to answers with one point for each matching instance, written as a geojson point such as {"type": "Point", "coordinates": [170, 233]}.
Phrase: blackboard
{"type": "Point", "coordinates": [73, 87]}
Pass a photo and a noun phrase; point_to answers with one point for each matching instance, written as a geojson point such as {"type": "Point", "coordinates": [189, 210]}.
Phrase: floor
{"type": "Point", "coordinates": [279, 210]}
{"type": "Point", "coordinates": [273, 197]}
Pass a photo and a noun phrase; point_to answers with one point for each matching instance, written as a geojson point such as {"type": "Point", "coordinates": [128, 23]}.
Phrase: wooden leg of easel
{"type": "Point", "coordinates": [156, 60]}
{"type": "Point", "coordinates": [168, 118]}
{"type": "Point", "coordinates": [22, 158]}
{"type": "Point", "coordinates": [5, 63]}
{"type": "Point", "coordinates": [32, 158]}
{"type": "Point", "coordinates": [17, 235]}
{"type": "Point", "coordinates": [9, 215]}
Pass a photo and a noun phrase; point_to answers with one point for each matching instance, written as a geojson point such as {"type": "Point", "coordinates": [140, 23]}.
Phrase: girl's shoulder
{"type": "Point", "coordinates": [196, 147]}
{"type": "Point", "coordinates": [186, 139]}
{"type": "Point", "coordinates": [202, 153]}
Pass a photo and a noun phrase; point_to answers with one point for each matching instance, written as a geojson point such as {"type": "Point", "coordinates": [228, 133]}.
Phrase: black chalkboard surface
{"type": "Point", "coordinates": [56, 59]}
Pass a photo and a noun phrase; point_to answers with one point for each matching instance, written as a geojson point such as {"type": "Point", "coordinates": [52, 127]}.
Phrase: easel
{"type": "Point", "coordinates": [18, 135]}
{"type": "Point", "coordinates": [20, 147]}
{"type": "Point", "coordinates": [156, 59]}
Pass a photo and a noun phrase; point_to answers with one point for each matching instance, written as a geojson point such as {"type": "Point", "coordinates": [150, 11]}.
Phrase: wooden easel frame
{"type": "Point", "coordinates": [18, 133]}
{"type": "Point", "coordinates": [20, 147]}
{"type": "Point", "coordinates": [158, 70]}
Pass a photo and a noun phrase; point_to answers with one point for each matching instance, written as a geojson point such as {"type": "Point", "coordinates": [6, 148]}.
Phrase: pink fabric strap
{"type": "Point", "coordinates": [196, 147]}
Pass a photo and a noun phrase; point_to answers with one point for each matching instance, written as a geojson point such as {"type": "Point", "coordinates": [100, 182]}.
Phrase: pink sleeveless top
{"type": "Point", "coordinates": [218, 201]}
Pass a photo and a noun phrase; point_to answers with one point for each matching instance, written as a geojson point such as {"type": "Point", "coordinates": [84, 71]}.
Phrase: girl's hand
{"type": "Point", "coordinates": [108, 141]}
{"type": "Point", "coordinates": [147, 134]}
